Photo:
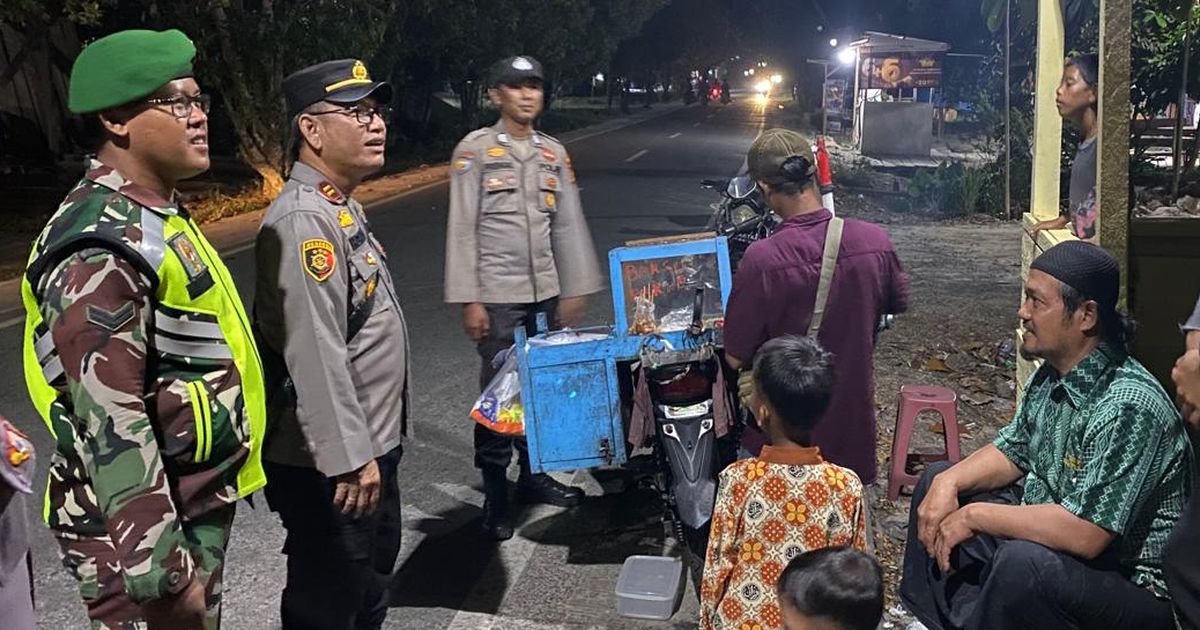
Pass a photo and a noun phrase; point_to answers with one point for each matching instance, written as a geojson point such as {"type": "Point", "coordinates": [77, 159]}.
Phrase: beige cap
{"type": "Point", "coordinates": [772, 149]}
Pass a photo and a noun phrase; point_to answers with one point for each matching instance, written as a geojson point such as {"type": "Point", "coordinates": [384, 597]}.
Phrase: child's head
{"type": "Point", "coordinates": [835, 588]}
{"type": "Point", "coordinates": [794, 382]}
{"type": "Point", "coordinates": [1079, 89]}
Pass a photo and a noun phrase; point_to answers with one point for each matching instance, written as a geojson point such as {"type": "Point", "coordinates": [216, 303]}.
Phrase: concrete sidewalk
{"type": "Point", "coordinates": [235, 234]}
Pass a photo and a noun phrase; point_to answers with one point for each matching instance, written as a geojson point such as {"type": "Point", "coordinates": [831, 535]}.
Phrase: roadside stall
{"type": "Point", "coordinates": [895, 82]}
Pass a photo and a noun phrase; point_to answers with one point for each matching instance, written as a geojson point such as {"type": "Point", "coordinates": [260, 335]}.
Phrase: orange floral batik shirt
{"type": "Point", "coordinates": [769, 510]}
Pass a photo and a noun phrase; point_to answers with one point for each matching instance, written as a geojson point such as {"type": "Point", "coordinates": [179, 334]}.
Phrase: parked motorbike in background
{"type": "Point", "coordinates": [741, 215]}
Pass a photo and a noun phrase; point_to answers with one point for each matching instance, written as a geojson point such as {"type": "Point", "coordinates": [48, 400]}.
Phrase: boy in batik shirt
{"type": "Point", "coordinates": [784, 502]}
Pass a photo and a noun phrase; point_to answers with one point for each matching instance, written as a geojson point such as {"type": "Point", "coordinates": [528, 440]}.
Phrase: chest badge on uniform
{"type": "Point", "coordinates": [371, 287]}
{"type": "Point", "coordinates": [496, 152]}
{"type": "Point", "coordinates": [186, 250]}
{"type": "Point", "coordinates": [550, 200]}
{"type": "Point", "coordinates": [498, 183]}
{"type": "Point", "coordinates": [330, 192]}
{"type": "Point", "coordinates": [318, 258]}
{"type": "Point", "coordinates": [371, 259]}
{"type": "Point", "coordinates": [549, 156]}
{"type": "Point", "coordinates": [345, 219]}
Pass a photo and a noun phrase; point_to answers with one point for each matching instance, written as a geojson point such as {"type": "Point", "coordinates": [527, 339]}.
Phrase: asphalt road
{"type": "Point", "coordinates": [560, 571]}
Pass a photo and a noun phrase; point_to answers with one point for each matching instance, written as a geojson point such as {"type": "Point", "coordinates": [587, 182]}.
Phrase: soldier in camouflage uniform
{"type": "Point", "coordinates": [138, 352]}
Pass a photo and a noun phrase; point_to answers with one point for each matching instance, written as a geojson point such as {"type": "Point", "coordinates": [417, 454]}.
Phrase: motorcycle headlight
{"type": "Point", "coordinates": [742, 214]}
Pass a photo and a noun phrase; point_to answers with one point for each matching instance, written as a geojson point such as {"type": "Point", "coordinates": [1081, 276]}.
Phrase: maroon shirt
{"type": "Point", "coordinates": [773, 294]}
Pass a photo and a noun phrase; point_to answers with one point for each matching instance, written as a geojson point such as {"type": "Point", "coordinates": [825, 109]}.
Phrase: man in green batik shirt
{"type": "Point", "coordinates": [1106, 466]}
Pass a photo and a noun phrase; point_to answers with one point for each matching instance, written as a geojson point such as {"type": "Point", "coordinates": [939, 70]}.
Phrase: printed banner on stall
{"type": "Point", "coordinates": [901, 70]}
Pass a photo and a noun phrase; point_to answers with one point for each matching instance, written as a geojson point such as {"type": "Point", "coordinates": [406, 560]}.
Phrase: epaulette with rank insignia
{"type": "Point", "coordinates": [331, 192]}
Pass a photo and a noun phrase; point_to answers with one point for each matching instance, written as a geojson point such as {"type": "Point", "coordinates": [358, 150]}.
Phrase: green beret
{"type": "Point", "coordinates": [126, 66]}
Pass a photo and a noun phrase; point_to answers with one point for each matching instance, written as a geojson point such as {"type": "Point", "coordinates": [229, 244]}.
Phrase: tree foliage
{"type": "Point", "coordinates": [246, 47]}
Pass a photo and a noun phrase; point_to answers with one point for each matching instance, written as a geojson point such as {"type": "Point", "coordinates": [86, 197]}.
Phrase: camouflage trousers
{"type": "Point", "coordinates": [92, 562]}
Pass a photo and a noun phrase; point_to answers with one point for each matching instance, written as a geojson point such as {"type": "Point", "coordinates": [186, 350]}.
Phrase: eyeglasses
{"type": "Point", "coordinates": [361, 113]}
{"type": "Point", "coordinates": [181, 105]}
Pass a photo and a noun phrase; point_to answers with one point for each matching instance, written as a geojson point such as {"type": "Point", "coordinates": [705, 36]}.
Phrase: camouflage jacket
{"type": "Point", "coordinates": [147, 410]}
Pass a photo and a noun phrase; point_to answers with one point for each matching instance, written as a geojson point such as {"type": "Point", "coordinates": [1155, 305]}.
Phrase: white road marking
{"type": "Point", "coordinates": [513, 558]}
{"type": "Point", "coordinates": [696, 124]}
{"type": "Point", "coordinates": [676, 134]}
{"type": "Point", "coordinates": [637, 155]}
{"type": "Point", "coordinates": [12, 322]}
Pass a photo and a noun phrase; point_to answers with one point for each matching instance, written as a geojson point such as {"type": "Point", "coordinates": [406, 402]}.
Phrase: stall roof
{"type": "Point", "coordinates": [877, 42]}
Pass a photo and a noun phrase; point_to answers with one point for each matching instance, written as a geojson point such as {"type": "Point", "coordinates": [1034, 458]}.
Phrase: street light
{"type": "Point", "coordinates": [777, 79]}
{"type": "Point", "coordinates": [846, 56]}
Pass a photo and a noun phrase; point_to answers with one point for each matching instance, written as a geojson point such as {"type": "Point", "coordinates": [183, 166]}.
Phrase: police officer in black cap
{"type": "Point", "coordinates": [517, 245]}
{"type": "Point", "coordinates": [335, 351]}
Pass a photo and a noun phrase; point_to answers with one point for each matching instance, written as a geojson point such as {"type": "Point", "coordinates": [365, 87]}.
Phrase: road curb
{"type": "Point", "coordinates": [12, 312]}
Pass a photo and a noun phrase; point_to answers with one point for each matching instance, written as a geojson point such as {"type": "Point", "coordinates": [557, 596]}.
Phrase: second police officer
{"type": "Point", "coordinates": [335, 348]}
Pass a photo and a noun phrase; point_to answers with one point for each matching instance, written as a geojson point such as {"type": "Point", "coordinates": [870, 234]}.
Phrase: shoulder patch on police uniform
{"type": "Point", "coordinates": [318, 258]}
{"type": "Point", "coordinates": [496, 152]}
{"type": "Point", "coordinates": [345, 219]}
{"type": "Point", "coordinates": [18, 449]}
{"type": "Point", "coordinates": [463, 161]}
{"type": "Point", "coordinates": [185, 249]}
{"type": "Point", "coordinates": [570, 169]}
{"type": "Point", "coordinates": [330, 192]}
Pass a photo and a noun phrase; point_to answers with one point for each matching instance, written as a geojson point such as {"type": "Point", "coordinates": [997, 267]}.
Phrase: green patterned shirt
{"type": "Point", "coordinates": [1105, 442]}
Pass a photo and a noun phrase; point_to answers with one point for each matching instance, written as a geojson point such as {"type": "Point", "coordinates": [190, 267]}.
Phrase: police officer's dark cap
{"type": "Point", "coordinates": [341, 81]}
{"type": "Point", "coordinates": [516, 70]}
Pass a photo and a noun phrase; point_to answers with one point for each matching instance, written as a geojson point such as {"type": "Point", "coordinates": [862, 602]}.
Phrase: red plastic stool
{"type": "Point", "coordinates": [913, 400]}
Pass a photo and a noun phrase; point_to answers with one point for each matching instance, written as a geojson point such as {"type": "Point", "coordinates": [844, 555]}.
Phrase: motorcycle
{"type": "Point", "coordinates": [741, 215]}
{"type": "Point", "coordinates": [687, 453]}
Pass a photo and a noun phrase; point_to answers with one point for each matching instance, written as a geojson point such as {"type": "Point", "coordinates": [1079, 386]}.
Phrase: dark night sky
{"type": "Point", "coordinates": [788, 28]}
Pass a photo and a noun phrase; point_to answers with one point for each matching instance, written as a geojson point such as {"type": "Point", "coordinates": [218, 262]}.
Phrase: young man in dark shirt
{"type": "Point", "coordinates": [774, 294]}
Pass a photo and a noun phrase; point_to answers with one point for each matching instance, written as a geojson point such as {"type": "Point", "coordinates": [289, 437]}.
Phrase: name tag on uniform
{"type": "Point", "coordinates": [199, 278]}
{"type": "Point", "coordinates": [495, 183]}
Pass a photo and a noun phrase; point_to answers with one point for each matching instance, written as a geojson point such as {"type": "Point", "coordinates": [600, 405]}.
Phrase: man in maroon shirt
{"type": "Point", "coordinates": [775, 289]}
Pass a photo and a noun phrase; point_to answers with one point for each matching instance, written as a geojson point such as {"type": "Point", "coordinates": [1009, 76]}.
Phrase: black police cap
{"type": "Point", "coordinates": [342, 81]}
{"type": "Point", "coordinates": [516, 70]}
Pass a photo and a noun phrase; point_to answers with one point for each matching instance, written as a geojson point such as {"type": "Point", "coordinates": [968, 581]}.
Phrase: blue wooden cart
{"type": "Point", "coordinates": [570, 391]}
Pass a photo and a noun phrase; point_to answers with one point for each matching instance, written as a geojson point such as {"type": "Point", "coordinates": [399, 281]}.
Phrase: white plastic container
{"type": "Point", "coordinates": [650, 587]}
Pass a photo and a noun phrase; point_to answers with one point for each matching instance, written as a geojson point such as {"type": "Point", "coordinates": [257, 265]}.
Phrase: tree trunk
{"type": "Point", "coordinates": [272, 180]}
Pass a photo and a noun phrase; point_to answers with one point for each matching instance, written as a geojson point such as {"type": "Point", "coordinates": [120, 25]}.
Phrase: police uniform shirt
{"type": "Point", "coordinates": [326, 305]}
{"type": "Point", "coordinates": [516, 233]}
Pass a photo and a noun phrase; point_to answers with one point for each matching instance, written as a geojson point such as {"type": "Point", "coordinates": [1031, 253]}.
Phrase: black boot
{"type": "Point", "coordinates": [497, 523]}
{"type": "Point", "coordinates": [543, 488]}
